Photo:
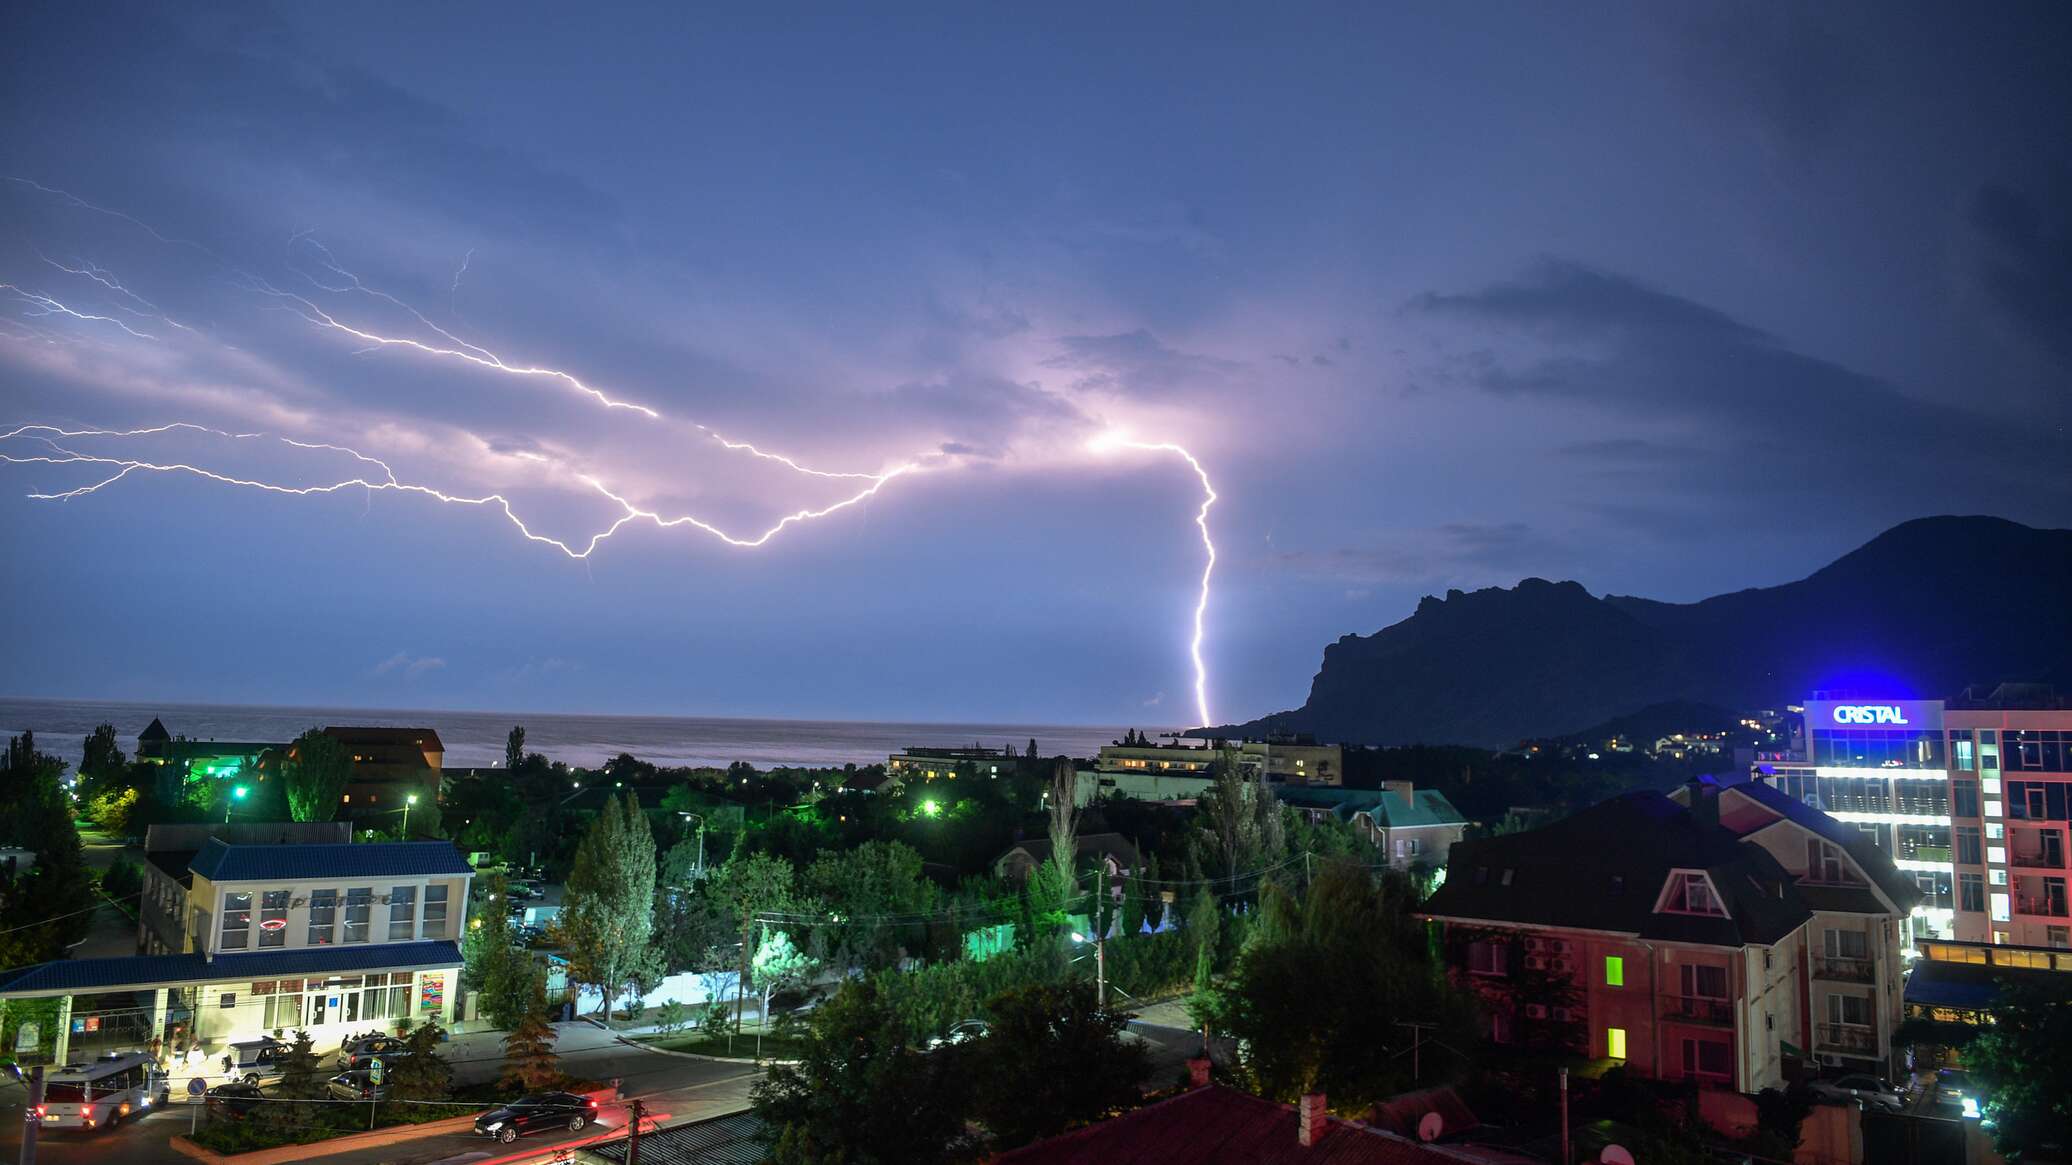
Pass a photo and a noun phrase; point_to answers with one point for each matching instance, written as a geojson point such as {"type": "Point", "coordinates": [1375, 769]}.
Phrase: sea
{"type": "Point", "coordinates": [477, 738]}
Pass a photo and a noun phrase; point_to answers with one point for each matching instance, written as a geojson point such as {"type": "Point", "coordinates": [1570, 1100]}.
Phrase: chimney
{"type": "Point", "coordinates": [1310, 1127]}
{"type": "Point", "coordinates": [1403, 789]}
{"type": "Point", "coordinates": [1198, 1073]}
{"type": "Point", "coordinates": [1704, 802]}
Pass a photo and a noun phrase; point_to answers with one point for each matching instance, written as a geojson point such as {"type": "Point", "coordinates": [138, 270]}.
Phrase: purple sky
{"type": "Point", "coordinates": [1671, 303]}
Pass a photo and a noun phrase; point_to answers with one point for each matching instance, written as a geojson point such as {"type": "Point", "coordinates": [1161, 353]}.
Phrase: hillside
{"type": "Point", "coordinates": [1929, 606]}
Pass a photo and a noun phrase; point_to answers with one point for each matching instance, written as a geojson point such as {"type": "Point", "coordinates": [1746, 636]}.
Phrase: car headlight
{"type": "Point", "coordinates": [493, 1126]}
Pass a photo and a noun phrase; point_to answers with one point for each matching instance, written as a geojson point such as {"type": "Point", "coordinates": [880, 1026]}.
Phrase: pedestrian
{"type": "Point", "coordinates": [618, 1088]}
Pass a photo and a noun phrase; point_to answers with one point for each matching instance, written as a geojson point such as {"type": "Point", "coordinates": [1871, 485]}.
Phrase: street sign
{"type": "Point", "coordinates": [374, 1070]}
{"type": "Point", "coordinates": [197, 1087]}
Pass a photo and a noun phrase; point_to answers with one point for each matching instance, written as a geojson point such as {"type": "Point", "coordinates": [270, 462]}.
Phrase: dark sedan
{"type": "Point", "coordinates": [541, 1110]}
{"type": "Point", "coordinates": [235, 1100]}
{"type": "Point", "coordinates": [362, 1053]}
{"type": "Point", "coordinates": [356, 1085]}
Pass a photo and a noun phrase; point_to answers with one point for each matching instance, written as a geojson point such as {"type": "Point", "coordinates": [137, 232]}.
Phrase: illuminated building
{"type": "Point", "coordinates": [945, 764]}
{"type": "Point", "coordinates": [389, 765]}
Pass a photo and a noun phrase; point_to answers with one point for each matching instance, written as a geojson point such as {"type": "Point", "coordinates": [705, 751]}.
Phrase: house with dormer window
{"type": "Point", "coordinates": [1636, 931]}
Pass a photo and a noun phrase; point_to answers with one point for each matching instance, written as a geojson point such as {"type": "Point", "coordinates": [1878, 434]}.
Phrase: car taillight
{"type": "Point", "coordinates": [42, 1110]}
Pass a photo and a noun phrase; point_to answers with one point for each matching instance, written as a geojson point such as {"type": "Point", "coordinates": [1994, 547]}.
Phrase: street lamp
{"type": "Point", "coordinates": [236, 794]}
{"type": "Point", "coordinates": [407, 803]}
{"type": "Point", "coordinates": [700, 818]}
{"type": "Point", "coordinates": [1100, 942]}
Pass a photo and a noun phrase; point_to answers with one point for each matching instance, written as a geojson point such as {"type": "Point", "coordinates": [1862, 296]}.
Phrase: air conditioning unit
{"type": "Point", "coordinates": [1562, 1015]}
{"type": "Point", "coordinates": [1560, 946]}
{"type": "Point", "coordinates": [1564, 965]}
{"type": "Point", "coordinates": [1535, 1011]}
{"type": "Point", "coordinates": [1535, 963]}
{"type": "Point", "coordinates": [1533, 944]}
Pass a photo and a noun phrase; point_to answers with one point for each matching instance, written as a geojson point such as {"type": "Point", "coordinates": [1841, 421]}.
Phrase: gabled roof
{"type": "Point", "coordinates": [219, 862]}
{"type": "Point", "coordinates": [422, 739]}
{"type": "Point", "coordinates": [1604, 868]}
{"type": "Point", "coordinates": [139, 971]}
{"type": "Point", "coordinates": [1220, 1126]}
{"type": "Point", "coordinates": [154, 731]}
{"type": "Point", "coordinates": [1428, 807]}
{"type": "Point", "coordinates": [1086, 845]}
{"type": "Point", "coordinates": [1875, 863]}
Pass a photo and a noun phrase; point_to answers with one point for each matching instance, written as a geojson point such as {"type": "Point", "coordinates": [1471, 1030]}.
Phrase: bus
{"type": "Point", "coordinates": [102, 1094]}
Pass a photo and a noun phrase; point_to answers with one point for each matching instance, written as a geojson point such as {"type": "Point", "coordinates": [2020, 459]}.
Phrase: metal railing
{"type": "Point", "coordinates": [2037, 861]}
{"type": "Point", "coordinates": [1697, 1009]}
{"type": "Point", "coordinates": [1847, 970]}
{"type": "Point", "coordinates": [1847, 1037]}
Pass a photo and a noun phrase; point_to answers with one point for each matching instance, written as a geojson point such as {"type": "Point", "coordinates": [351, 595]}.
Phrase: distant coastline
{"type": "Point", "coordinates": [477, 738]}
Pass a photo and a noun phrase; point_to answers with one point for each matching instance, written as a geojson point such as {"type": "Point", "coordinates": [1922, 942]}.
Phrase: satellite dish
{"type": "Point", "coordinates": [1429, 1126]}
{"type": "Point", "coordinates": [1615, 1155]}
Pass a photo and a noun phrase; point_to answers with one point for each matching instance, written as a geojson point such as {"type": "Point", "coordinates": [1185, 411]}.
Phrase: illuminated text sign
{"type": "Point", "coordinates": [1869, 714]}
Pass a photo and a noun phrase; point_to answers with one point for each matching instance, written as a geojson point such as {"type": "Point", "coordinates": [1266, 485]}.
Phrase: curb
{"type": "Point", "coordinates": [393, 1135]}
{"type": "Point", "coordinates": [698, 1055]}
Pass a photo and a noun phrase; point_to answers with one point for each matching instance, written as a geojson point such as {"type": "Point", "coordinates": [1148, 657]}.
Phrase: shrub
{"type": "Point", "coordinates": [672, 1016]}
{"type": "Point", "coordinates": [124, 879]}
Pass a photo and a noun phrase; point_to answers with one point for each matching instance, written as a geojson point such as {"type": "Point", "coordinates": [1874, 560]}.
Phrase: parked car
{"type": "Point", "coordinates": [524, 890]}
{"type": "Point", "coordinates": [361, 1053]}
{"type": "Point", "coordinates": [235, 1100]}
{"type": "Point", "coordinates": [1859, 1086]}
{"type": "Point", "coordinates": [255, 1061]}
{"type": "Point", "coordinates": [963, 1033]}
{"type": "Point", "coordinates": [526, 936]}
{"type": "Point", "coordinates": [357, 1084]}
{"type": "Point", "coordinates": [541, 1110]}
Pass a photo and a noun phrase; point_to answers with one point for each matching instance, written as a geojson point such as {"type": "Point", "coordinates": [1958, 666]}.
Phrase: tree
{"type": "Point", "coordinates": [49, 906]}
{"type": "Point", "coordinates": [514, 749]}
{"type": "Point", "coordinates": [1359, 937]}
{"type": "Point", "coordinates": [504, 976]}
{"type": "Point", "coordinates": [314, 775]}
{"type": "Point", "coordinates": [861, 1093]}
{"type": "Point", "coordinates": [1053, 1059]}
{"type": "Point", "coordinates": [101, 764]}
{"type": "Point", "coordinates": [749, 885]}
{"type": "Point", "coordinates": [607, 914]}
{"type": "Point", "coordinates": [301, 1080]}
{"type": "Point", "coordinates": [2023, 1063]}
{"type": "Point", "coordinates": [1239, 829]}
{"type": "Point", "coordinates": [777, 965]}
{"type": "Point", "coordinates": [530, 1063]}
{"type": "Point", "coordinates": [422, 1074]}
{"type": "Point", "coordinates": [857, 887]}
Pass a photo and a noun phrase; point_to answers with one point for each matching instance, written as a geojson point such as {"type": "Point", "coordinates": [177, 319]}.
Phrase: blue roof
{"type": "Point", "coordinates": [137, 971]}
{"type": "Point", "coordinates": [221, 862]}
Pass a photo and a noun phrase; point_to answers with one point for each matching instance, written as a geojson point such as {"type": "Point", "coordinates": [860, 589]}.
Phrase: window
{"type": "Point", "coordinates": [1966, 761]}
{"type": "Point", "coordinates": [402, 914]}
{"type": "Point", "coordinates": [237, 921]}
{"type": "Point", "coordinates": [1488, 958]}
{"type": "Point", "coordinates": [273, 918]}
{"type": "Point", "coordinates": [1499, 1028]}
{"type": "Point", "coordinates": [1704, 982]}
{"type": "Point", "coordinates": [1971, 892]}
{"type": "Point", "coordinates": [1847, 944]}
{"type": "Point", "coordinates": [1968, 851]}
{"type": "Point", "coordinates": [1853, 1010]}
{"type": "Point", "coordinates": [323, 917]}
{"type": "Point", "coordinates": [359, 911]}
{"type": "Point", "coordinates": [1964, 798]}
{"type": "Point", "coordinates": [1824, 862]}
{"type": "Point", "coordinates": [435, 912]}
{"type": "Point", "coordinates": [1706, 1058]}
{"type": "Point", "coordinates": [1614, 971]}
{"type": "Point", "coordinates": [1507, 875]}
{"type": "Point", "coordinates": [1691, 893]}
{"type": "Point", "coordinates": [2033, 801]}
{"type": "Point", "coordinates": [2002, 910]}
{"type": "Point", "coordinates": [1615, 1042]}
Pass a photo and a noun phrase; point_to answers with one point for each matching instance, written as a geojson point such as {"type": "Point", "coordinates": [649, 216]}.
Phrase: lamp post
{"type": "Point", "coordinates": [237, 793]}
{"type": "Point", "coordinates": [700, 819]}
{"type": "Point", "coordinates": [407, 803]}
{"type": "Point", "coordinates": [1100, 942]}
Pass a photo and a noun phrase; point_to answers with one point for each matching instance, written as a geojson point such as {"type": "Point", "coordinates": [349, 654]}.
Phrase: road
{"type": "Point", "coordinates": [674, 1088]}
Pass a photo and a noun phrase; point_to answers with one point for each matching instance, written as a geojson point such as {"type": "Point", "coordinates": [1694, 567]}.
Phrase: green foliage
{"type": "Point", "coordinates": [2023, 1063]}
{"type": "Point", "coordinates": [514, 749]}
{"type": "Point", "coordinates": [1239, 825]}
{"type": "Point", "coordinates": [46, 908]}
{"type": "Point", "coordinates": [314, 774]}
{"type": "Point", "coordinates": [748, 885]}
{"type": "Point", "coordinates": [423, 1074]}
{"type": "Point", "coordinates": [1358, 937]}
{"type": "Point", "coordinates": [1052, 1059]}
{"type": "Point", "coordinates": [860, 885]}
{"type": "Point", "coordinates": [505, 978]}
{"type": "Point", "coordinates": [123, 879]}
{"type": "Point", "coordinates": [779, 964]}
{"type": "Point", "coordinates": [530, 1063]}
{"type": "Point", "coordinates": [607, 914]}
{"type": "Point", "coordinates": [862, 1092]}
{"type": "Point", "coordinates": [672, 1017]}
{"type": "Point", "coordinates": [113, 810]}
{"type": "Point", "coordinates": [931, 999]}
{"type": "Point", "coordinates": [101, 766]}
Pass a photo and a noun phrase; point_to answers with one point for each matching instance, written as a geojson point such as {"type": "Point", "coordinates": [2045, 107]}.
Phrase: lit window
{"type": "Point", "coordinates": [347, 799]}
{"type": "Point", "coordinates": [1614, 971]}
{"type": "Point", "coordinates": [1615, 1042]}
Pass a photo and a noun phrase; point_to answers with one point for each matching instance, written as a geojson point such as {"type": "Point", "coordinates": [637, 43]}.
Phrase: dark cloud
{"type": "Point", "coordinates": [2025, 262]}
{"type": "Point", "coordinates": [1789, 71]}
{"type": "Point", "coordinates": [1477, 552]}
{"type": "Point", "coordinates": [1140, 364]}
{"type": "Point", "coordinates": [1322, 361]}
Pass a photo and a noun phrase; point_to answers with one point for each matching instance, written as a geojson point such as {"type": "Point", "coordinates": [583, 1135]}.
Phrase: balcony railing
{"type": "Point", "coordinates": [2038, 861]}
{"type": "Point", "coordinates": [1695, 1009]}
{"type": "Point", "coordinates": [1844, 1037]}
{"type": "Point", "coordinates": [1845, 969]}
{"type": "Point", "coordinates": [2043, 906]}
{"type": "Point", "coordinates": [1928, 853]}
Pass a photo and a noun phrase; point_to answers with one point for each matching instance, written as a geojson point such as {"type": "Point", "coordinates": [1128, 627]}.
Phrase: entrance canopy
{"type": "Point", "coordinates": [149, 972]}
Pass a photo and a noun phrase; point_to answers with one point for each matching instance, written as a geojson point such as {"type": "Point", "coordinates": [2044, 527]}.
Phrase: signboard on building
{"type": "Point", "coordinates": [29, 1038]}
{"type": "Point", "coordinates": [431, 993]}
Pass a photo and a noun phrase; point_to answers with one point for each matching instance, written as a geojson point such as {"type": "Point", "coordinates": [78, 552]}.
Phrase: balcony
{"type": "Point", "coordinates": [1844, 970]}
{"type": "Point", "coordinates": [1939, 854]}
{"type": "Point", "coordinates": [1695, 1009]}
{"type": "Point", "coordinates": [2043, 907]}
{"type": "Point", "coordinates": [2037, 861]}
{"type": "Point", "coordinates": [1844, 1037]}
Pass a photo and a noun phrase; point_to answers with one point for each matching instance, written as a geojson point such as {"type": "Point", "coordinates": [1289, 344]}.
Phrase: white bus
{"type": "Point", "coordinates": [103, 1093]}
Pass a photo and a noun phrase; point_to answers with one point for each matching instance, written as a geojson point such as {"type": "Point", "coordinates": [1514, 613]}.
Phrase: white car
{"type": "Point", "coordinates": [963, 1033]}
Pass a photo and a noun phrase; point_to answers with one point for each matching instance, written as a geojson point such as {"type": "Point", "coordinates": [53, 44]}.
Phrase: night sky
{"type": "Point", "coordinates": [1668, 302]}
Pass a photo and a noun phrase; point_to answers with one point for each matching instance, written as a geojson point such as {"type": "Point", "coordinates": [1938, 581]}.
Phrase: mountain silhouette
{"type": "Point", "coordinates": [1924, 609]}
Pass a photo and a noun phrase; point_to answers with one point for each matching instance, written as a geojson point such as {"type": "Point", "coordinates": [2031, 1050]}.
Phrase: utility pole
{"type": "Point", "coordinates": [1565, 1159]}
{"type": "Point", "coordinates": [1417, 1049]}
{"type": "Point", "coordinates": [32, 1116]}
{"type": "Point", "coordinates": [633, 1136]}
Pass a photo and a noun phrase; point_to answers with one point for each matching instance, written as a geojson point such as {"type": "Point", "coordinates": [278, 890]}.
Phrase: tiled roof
{"type": "Point", "coordinates": [154, 731]}
{"type": "Point", "coordinates": [1430, 808]}
{"type": "Point", "coordinates": [1875, 863]}
{"type": "Point", "coordinates": [160, 970]}
{"type": "Point", "coordinates": [1603, 869]}
{"type": "Point", "coordinates": [726, 1140]}
{"type": "Point", "coordinates": [1218, 1126]}
{"type": "Point", "coordinates": [1086, 845]}
{"type": "Point", "coordinates": [219, 862]}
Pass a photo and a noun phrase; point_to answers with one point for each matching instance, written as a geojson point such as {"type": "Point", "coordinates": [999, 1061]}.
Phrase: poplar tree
{"type": "Point", "coordinates": [607, 915]}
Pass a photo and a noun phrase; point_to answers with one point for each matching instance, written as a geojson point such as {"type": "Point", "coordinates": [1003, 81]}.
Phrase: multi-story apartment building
{"type": "Point", "coordinates": [945, 764]}
{"type": "Point", "coordinates": [1972, 797]}
{"type": "Point", "coordinates": [329, 937]}
{"type": "Point", "coordinates": [1665, 937]}
{"type": "Point", "coordinates": [1860, 902]}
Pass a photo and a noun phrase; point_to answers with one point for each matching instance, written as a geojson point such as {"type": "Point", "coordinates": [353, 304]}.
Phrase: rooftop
{"type": "Point", "coordinates": [726, 1140]}
{"type": "Point", "coordinates": [220, 862]}
{"type": "Point", "coordinates": [132, 972]}
{"type": "Point", "coordinates": [1876, 864]}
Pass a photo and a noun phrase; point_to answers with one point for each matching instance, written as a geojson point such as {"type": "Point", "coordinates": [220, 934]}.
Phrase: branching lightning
{"type": "Point", "coordinates": [441, 342]}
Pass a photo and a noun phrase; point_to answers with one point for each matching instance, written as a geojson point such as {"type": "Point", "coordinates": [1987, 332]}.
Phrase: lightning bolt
{"type": "Point", "coordinates": [1111, 440]}
{"type": "Point", "coordinates": [44, 305]}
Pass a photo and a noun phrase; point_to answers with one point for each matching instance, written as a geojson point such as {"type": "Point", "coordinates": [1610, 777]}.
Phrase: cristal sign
{"type": "Point", "coordinates": [1869, 714]}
